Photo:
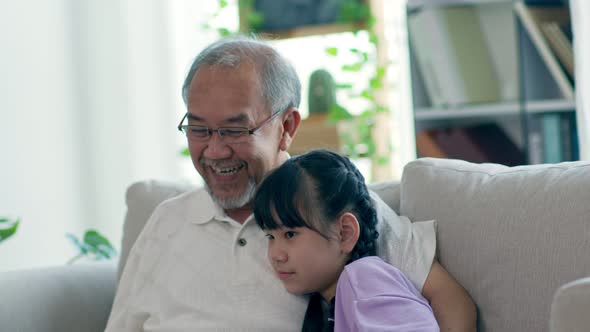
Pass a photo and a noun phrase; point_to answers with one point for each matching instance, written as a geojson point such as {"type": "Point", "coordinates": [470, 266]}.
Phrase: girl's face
{"type": "Point", "coordinates": [305, 261]}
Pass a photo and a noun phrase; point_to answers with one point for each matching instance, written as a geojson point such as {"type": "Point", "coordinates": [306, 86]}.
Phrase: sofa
{"type": "Point", "coordinates": [517, 238]}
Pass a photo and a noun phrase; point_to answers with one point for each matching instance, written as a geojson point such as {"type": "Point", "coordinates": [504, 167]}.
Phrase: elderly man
{"type": "Point", "coordinates": [200, 261]}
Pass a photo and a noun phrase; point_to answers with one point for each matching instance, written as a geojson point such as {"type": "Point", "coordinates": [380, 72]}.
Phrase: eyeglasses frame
{"type": "Point", "coordinates": [210, 131]}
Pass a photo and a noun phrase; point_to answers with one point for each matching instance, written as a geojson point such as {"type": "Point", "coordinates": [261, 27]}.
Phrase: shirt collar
{"type": "Point", "coordinates": [207, 210]}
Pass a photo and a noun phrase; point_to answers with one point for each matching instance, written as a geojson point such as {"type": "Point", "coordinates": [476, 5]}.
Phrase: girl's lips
{"type": "Point", "coordinates": [284, 275]}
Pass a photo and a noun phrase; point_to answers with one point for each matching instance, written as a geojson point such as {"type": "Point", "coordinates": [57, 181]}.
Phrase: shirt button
{"type": "Point", "coordinates": [242, 242]}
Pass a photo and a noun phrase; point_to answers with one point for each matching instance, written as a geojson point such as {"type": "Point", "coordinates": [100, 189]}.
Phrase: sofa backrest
{"type": "Point", "coordinates": [510, 236]}
{"type": "Point", "coordinates": [144, 196]}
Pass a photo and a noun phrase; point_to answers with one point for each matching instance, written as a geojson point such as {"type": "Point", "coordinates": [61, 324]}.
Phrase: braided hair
{"type": "Point", "coordinates": [313, 190]}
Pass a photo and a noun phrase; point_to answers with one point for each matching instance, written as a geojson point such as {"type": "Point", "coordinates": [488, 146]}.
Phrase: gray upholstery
{"type": "Point", "coordinates": [511, 236]}
{"type": "Point", "coordinates": [57, 299]}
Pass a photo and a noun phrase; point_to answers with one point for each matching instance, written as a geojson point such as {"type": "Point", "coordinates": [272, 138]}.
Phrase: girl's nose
{"type": "Point", "coordinates": [276, 255]}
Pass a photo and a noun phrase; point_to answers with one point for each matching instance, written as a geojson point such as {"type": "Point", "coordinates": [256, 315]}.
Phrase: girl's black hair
{"type": "Point", "coordinates": [322, 185]}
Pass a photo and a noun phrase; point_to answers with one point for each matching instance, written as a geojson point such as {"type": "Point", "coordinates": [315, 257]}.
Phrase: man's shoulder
{"type": "Point", "coordinates": [192, 197]}
{"type": "Point", "coordinates": [174, 212]}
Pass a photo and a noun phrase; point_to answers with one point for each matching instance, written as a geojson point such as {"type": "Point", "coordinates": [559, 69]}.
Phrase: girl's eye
{"type": "Point", "coordinates": [269, 237]}
{"type": "Point", "coordinates": [289, 234]}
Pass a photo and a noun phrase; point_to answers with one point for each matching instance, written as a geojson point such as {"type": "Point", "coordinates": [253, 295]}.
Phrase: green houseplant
{"type": "Point", "coordinates": [92, 245]}
{"type": "Point", "coordinates": [8, 227]}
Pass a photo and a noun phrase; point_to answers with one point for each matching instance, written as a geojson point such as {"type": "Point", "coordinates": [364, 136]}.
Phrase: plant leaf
{"type": "Point", "coordinates": [338, 113]}
{"type": "Point", "coordinates": [255, 20]}
{"type": "Point", "coordinates": [5, 233]}
{"type": "Point", "coordinates": [367, 95]}
{"type": "Point", "coordinates": [382, 160]}
{"type": "Point", "coordinates": [94, 238]}
{"type": "Point", "coordinates": [77, 243]}
{"type": "Point", "coordinates": [333, 51]}
{"type": "Point", "coordinates": [352, 67]}
{"type": "Point", "coordinates": [376, 83]}
{"type": "Point", "coordinates": [344, 86]}
{"type": "Point", "coordinates": [223, 32]}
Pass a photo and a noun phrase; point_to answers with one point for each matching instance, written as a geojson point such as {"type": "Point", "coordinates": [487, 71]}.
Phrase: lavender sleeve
{"type": "Point", "coordinates": [372, 295]}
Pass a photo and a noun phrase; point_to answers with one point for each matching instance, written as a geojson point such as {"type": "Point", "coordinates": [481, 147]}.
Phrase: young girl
{"type": "Point", "coordinates": [320, 223]}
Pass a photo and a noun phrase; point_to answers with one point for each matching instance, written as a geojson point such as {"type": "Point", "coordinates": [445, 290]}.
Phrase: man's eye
{"type": "Point", "coordinates": [234, 132]}
{"type": "Point", "coordinates": [269, 237]}
{"type": "Point", "coordinates": [290, 234]}
{"type": "Point", "coordinates": [200, 132]}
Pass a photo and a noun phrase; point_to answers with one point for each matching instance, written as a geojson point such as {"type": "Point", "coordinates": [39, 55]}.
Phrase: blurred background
{"type": "Point", "coordinates": [90, 100]}
{"type": "Point", "coordinates": [90, 95]}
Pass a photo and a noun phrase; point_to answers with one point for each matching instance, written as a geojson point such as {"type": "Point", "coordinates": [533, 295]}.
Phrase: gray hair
{"type": "Point", "coordinates": [281, 88]}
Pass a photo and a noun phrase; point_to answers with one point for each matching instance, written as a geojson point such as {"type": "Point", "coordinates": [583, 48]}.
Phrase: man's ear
{"type": "Point", "coordinates": [349, 232]}
{"type": "Point", "coordinates": [290, 124]}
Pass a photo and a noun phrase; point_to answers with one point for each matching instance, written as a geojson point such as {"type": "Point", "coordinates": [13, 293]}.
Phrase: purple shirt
{"type": "Point", "coordinates": [372, 295]}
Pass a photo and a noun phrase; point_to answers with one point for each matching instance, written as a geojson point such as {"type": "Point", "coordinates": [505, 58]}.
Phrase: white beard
{"type": "Point", "coordinates": [234, 202]}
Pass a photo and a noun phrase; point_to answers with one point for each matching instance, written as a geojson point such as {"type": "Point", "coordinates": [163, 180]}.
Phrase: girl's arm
{"type": "Point", "coordinates": [453, 308]}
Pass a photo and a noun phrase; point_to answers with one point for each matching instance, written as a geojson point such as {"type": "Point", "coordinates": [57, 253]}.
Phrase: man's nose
{"type": "Point", "coordinates": [216, 147]}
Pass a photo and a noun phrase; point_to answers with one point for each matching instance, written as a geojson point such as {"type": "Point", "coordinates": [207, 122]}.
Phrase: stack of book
{"type": "Point", "coordinates": [486, 143]}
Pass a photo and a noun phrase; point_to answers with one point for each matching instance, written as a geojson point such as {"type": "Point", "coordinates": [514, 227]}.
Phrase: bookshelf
{"type": "Point", "coordinates": [506, 65]}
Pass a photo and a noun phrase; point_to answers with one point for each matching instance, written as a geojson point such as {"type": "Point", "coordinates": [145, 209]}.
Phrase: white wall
{"type": "Point", "coordinates": [39, 172]}
{"type": "Point", "coordinates": [89, 101]}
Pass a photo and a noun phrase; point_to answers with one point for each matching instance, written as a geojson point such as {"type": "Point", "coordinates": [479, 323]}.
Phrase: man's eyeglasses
{"type": "Point", "coordinates": [228, 134]}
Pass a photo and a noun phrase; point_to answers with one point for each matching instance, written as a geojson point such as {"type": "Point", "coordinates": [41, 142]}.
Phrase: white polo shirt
{"type": "Point", "coordinates": [194, 268]}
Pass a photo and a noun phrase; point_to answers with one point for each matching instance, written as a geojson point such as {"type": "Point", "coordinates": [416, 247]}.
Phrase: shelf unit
{"type": "Point", "coordinates": [532, 84]}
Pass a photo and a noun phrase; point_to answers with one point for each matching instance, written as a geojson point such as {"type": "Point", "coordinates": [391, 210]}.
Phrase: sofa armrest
{"type": "Point", "coordinates": [63, 298]}
{"type": "Point", "coordinates": [569, 310]}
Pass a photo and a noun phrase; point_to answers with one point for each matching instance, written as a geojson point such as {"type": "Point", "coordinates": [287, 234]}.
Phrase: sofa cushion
{"type": "Point", "coordinates": [511, 236]}
{"type": "Point", "coordinates": [57, 299]}
{"type": "Point", "coordinates": [143, 197]}
{"type": "Point", "coordinates": [569, 310]}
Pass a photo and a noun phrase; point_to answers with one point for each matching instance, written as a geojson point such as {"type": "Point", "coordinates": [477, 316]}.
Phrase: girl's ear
{"type": "Point", "coordinates": [290, 125]}
{"type": "Point", "coordinates": [349, 232]}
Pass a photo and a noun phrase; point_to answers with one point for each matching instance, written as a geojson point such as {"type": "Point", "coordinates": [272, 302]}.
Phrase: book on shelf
{"type": "Point", "coordinates": [457, 145]}
{"type": "Point", "coordinates": [452, 55]}
{"type": "Point", "coordinates": [553, 138]}
{"type": "Point", "coordinates": [427, 147]}
{"type": "Point", "coordinates": [448, 143]}
{"type": "Point", "coordinates": [533, 17]}
{"type": "Point", "coordinates": [478, 144]}
{"type": "Point", "coordinates": [559, 37]}
{"type": "Point", "coordinates": [496, 145]}
{"type": "Point", "coordinates": [569, 136]}
{"type": "Point", "coordinates": [535, 140]}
